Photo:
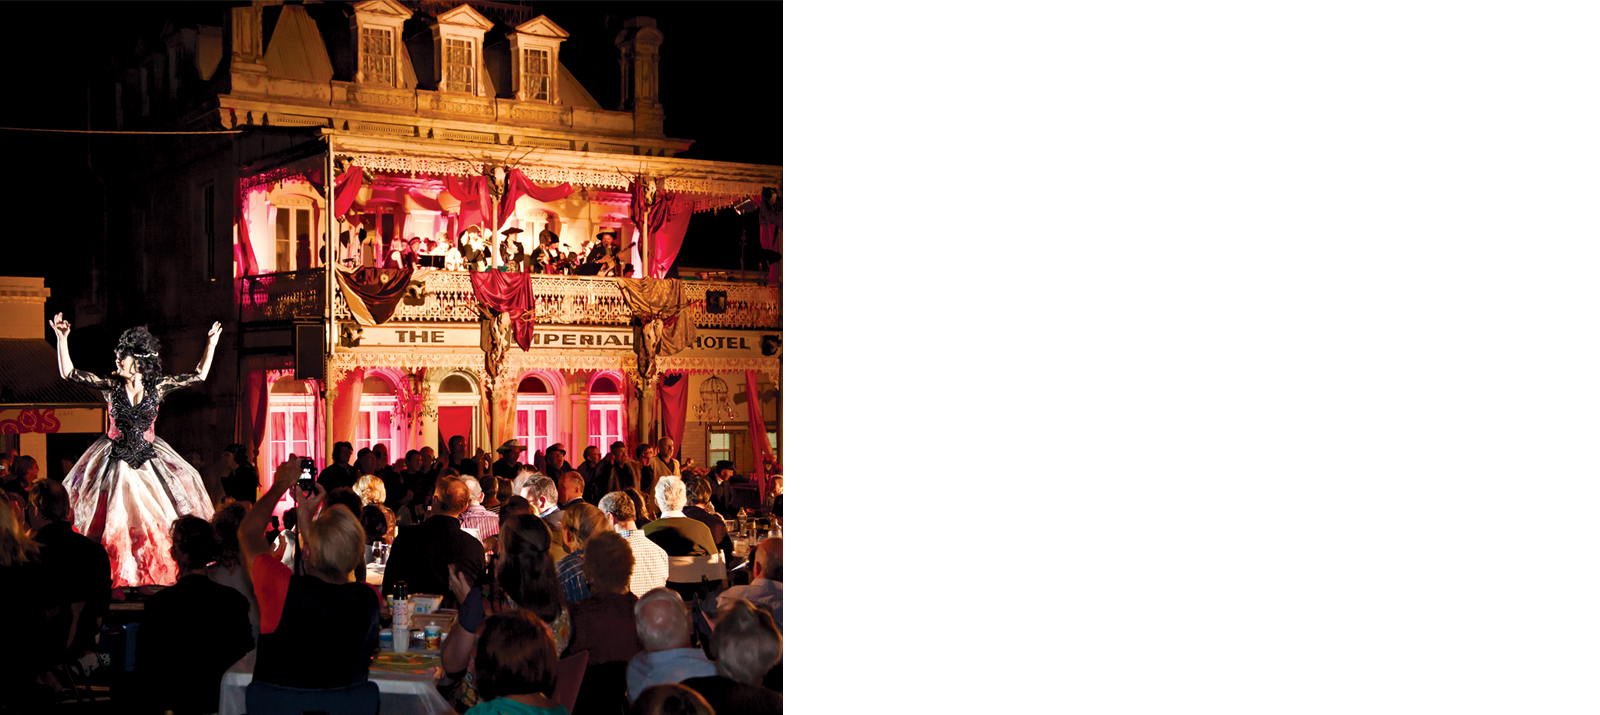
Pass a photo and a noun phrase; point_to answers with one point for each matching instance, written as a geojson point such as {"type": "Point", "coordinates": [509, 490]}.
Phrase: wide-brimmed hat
{"type": "Point", "coordinates": [512, 445]}
{"type": "Point", "coordinates": [724, 464]}
{"type": "Point", "coordinates": [606, 232]}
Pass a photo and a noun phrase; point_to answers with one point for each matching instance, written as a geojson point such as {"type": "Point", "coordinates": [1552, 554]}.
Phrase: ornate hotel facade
{"type": "Point", "coordinates": [360, 126]}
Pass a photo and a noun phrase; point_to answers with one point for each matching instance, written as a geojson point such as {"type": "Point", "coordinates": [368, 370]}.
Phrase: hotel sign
{"type": "Point", "coordinates": [708, 343]}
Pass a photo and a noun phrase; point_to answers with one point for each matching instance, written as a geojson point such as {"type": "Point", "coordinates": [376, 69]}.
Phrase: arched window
{"type": "Point", "coordinates": [290, 420]}
{"type": "Point", "coordinates": [605, 411]}
{"type": "Point", "coordinates": [536, 415]}
{"type": "Point", "coordinates": [375, 424]}
{"type": "Point", "coordinates": [458, 412]}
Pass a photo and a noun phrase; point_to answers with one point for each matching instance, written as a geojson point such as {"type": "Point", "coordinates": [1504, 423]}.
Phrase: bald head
{"type": "Point", "coordinates": [452, 496]}
{"type": "Point", "coordinates": [769, 559]}
{"type": "Point", "coordinates": [571, 487]}
{"type": "Point", "coordinates": [662, 620]}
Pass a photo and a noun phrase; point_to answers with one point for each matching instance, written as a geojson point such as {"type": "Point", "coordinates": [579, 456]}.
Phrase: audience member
{"type": "Point", "coordinates": [590, 468]}
{"type": "Point", "coordinates": [555, 461]}
{"type": "Point", "coordinates": [459, 459]}
{"type": "Point", "coordinates": [515, 505]}
{"type": "Point", "coordinates": [507, 466]}
{"type": "Point", "coordinates": [371, 489]}
{"type": "Point", "coordinates": [22, 475]}
{"type": "Point", "coordinates": [422, 555]}
{"type": "Point", "coordinates": [766, 589]}
{"type": "Point", "coordinates": [476, 517]}
{"type": "Point", "coordinates": [515, 667]}
{"type": "Point", "coordinates": [378, 523]}
{"type": "Point", "coordinates": [28, 599]}
{"type": "Point", "coordinates": [698, 567]}
{"type": "Point", "coordinates": [603, 623]}
{"type": "Point", "coordinates": [545, 498]}
{"type": "Point", "coordinates": [617, 472]}
{"type": "Point", "coordinates": [746, 644]}
{"type": "Point", "coordinates": [318, 630]}
{"type": "Point", "coordinates": [645, 509]}
{"type": "Point", "coordinates": [571, 486]}
{"type": "Point", "coordinates": [722, 487]}
{"type": "Point", "coordinates": [699, 509]}
{"type": "Point", "coordinates": [670, 699]}
{"type": "Point", "coordinates": [578, 525]}
{"type": "Point", "coordinates": [76, 564]}
{"type": "Point", "coordinates": [193, 631]}
{"type": "Point", "coordinates": [242, 480]}
{"type": "Point", "coordinates": [669, 655]}
{"type": "Point", "coordinates": [340, 473]}
{"type": "Point", "coordinates": [499, 495]}
{"type": "Point", "coordinates": [526, 576]}
{"type": "Point", "coordinates": [347, 498]}
{"type": "Point", "coordinates": [230, 568]}
{"type": "Point", "coordinates": [775, 497]}
{"type": "Point", "coordinates": [649, 560]}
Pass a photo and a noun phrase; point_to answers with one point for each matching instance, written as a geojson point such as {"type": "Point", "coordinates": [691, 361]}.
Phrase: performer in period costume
{"type": "Point", "coordinates": [129, 487]}
{"type": "Point", "coordinates": [512, 253]}
{"type": "Point", "coordinates": [603, 260]}
{"type": "Point", "coordinates": [547, 254]}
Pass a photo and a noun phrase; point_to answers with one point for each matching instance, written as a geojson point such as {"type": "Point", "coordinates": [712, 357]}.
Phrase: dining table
{"type": "Point", "coordinates": [407, 684]}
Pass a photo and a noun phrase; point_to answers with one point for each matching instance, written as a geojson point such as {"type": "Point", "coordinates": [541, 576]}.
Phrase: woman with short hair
{"type": "Point", "coordinates": [515, 666]}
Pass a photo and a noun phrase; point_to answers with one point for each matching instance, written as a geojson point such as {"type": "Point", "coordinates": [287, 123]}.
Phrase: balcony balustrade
{"type": "Point", "coordinates": [446, 297]}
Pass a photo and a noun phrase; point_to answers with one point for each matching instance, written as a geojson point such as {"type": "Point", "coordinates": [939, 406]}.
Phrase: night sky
{"type": "Point", "coordinates": [721, 70]}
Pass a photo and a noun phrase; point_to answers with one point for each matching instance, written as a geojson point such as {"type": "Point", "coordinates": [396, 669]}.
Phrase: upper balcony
{"type": "Point", "coordinates": [446, 297]}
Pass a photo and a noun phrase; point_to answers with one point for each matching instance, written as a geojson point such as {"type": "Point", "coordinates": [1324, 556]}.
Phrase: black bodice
{"type": "Point", "coordinates": [133, 420]}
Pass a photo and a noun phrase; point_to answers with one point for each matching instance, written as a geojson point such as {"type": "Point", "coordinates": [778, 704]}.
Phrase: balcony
{"type": "Point", "coordinates": [446, 297]}
{"type": "Point", "coordinates": [291, 296]}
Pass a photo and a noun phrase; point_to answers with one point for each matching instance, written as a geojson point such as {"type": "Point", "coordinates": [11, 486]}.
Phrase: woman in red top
{"type": "Point", "coordinates": [318, 630]}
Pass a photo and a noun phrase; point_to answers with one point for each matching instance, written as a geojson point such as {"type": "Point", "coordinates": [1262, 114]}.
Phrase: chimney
{"type": "Point", "coordinates": [22, 307]}
{"type": "Point", "coordinates": [640, 43]}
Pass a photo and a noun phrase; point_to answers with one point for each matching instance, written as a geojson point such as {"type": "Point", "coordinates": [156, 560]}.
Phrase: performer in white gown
{"type": "Point", "coordinates": [129, 487]}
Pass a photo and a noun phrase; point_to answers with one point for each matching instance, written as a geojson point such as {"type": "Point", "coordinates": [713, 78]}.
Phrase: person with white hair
{"type": "Point", "coordinates": [695, 565]}
{"type": "Point", "coordinates": [484, 522]}
{"type": "Point", "coordinates": [662, 620]}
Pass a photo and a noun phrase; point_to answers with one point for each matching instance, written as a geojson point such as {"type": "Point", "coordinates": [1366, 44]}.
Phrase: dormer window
{"type": "Point", "coordinates": [376, 25]}
{"type": "Point", "coordinates": [377, 55]}
{"type": "Point", "coordinates": [536, 47]}
{"type": "Point", "coordinates": [458, 44]}
{"type": "Point", "coordinates": [536, 74]}
{"type": "Point", "coordinates": [459, 66]}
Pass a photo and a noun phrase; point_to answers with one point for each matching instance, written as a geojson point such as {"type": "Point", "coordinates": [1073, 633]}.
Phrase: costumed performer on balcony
{"type": "Point", "coordinates": [130, 485]}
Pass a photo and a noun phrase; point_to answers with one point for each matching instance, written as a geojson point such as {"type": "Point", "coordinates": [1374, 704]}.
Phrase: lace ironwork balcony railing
{"type": "Point", "coordinates": [294, 295]}
{"type": "Point", "coordinates": [446, 297]}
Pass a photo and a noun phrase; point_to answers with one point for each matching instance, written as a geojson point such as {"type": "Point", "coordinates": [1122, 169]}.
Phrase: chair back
{"type": "Point", "coordinates": [693, 569]}
{"type": "Point", "coordinates": [268, 699]}
{"type": "Point", "coordinates": [604, 691]}
{"type": "Point", "coordinates": [569, 678]}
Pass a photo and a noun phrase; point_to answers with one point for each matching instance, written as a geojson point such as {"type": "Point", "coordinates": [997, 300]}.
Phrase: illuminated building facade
{"type": "Point", "coordinates": [362, 126]}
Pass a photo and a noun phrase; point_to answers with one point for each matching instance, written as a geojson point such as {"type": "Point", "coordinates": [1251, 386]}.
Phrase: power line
{"type": "Point", "coordinates": [110, 131]}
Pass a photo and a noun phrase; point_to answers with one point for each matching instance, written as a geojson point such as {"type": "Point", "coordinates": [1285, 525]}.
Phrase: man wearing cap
{"type": "Point", "coordinates": [507, 465]}
{"type": "Point", "coordinates": [555, 461]}
{"type": "Point", "coordinates": [721, 490]}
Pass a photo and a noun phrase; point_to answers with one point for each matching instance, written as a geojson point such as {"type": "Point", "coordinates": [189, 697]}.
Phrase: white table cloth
{"type": "Point", "coordinates": [398, 693]}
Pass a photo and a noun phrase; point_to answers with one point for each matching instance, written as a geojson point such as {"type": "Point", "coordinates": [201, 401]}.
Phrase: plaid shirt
{"type": "Point", "coordinates": [649, 563]}
{"type": "Point", "coordinates": [570, 571]}
{"type": "Point", "coordinates": [485, 521]}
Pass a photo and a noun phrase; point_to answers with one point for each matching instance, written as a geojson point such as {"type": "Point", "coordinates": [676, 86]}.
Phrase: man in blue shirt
{"type": "Point", "coordinates": [664, 627]}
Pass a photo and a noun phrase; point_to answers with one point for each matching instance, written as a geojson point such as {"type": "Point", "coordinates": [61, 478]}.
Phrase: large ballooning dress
{"type": "Point", "coordinates": [129, 487]}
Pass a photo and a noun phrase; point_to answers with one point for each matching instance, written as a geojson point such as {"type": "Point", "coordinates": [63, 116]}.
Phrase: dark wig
{"type": "Point", "coordinates": [145, 349]}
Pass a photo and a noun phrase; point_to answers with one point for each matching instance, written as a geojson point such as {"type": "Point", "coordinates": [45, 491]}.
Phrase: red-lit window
{"type": "Point", "coordinates": [605, 414]}
{"type": "Point", "coordinates": [536, 415]}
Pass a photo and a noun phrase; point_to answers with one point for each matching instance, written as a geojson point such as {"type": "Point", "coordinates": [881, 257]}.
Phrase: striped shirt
{"type": "Point", "coordinates": [477, 517]}
{"type": "Point", "coordinates": [649, 563]}
{"type": "Point", "coordinates": [570, 571]}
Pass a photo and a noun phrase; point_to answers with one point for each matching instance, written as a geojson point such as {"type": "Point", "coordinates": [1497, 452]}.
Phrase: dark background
{"type": "Point", "coordinates": [721, 72]}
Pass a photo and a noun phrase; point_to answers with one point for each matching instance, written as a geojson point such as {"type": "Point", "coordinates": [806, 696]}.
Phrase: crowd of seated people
{"type": "Point", "coordinates": [546, 575]}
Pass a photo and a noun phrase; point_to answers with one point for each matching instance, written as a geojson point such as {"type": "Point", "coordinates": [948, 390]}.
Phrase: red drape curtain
{"type": "Point", "coordinates": [242, 255]}
{"type": "Point", "coordinates": [473, 193]}
{"type": "Point", "coordinates": [519, 185]}
{"type": "Point", "coordinates": [454, 421]}
{"type": "Point", "coordinates": [508, 292]}
{"type": "Point", "coordinates": [771, 223]}
{"type": "Point", "coordinates": [666, 227]}
{"type": "Point", "coordinates": [674, 390]}
{"type": "Point", "coordinates": [758, 432]}
{"type": "Point", "coordinates": [347, 407]}
{"type": "Point", "coordinates": [254, 428]}
{"type": "Point", "coordinates": [345, 191]}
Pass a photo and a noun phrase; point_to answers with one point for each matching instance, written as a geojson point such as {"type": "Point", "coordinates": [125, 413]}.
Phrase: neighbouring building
{"type": "Point", "coordinates": [361, 126]}
{"type": "Point", "coordinates": [41, 415]}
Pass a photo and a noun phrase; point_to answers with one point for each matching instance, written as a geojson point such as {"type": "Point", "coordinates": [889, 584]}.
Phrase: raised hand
{"type": "Point", "coordinates": [61, 326]}
{"type": "Point", "coordinates": [288, 472]}
{"type": "Point", "coordinates": [215, 333]}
